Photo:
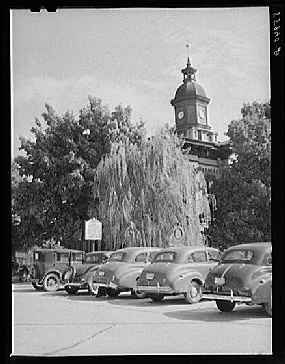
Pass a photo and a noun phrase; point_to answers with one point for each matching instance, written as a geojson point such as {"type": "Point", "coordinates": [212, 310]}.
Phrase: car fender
{"type": "Point", "coordinates": [129, 278]}
{"type": "Point", "coordinates": [54, 271]}
{"type": "Point", "coordinates": [262, 291]}
{"type": "Point", "coordinates": [182, 280]}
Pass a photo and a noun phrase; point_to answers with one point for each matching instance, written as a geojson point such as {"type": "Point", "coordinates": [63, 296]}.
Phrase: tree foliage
{"type": "Point", "coordinates": [243, 192]}
{"type": "Point", "coordinates": [146, 190]}
{"type": "Point", "coordinates": [57, 169]}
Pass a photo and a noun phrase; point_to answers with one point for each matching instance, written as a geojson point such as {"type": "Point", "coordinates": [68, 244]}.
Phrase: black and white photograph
{"type": "Point", "coordinates": [141, 181]}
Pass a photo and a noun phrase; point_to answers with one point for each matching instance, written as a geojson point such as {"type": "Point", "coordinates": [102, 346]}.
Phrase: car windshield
{"type": "Point", "coordinates": [118, 257]}
{"type": "Point", "coordinates": [168, 257]}
{"type": "Point", "coordinates": [238, 256]}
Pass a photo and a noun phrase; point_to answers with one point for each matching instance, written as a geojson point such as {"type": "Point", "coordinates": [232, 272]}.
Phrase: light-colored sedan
{"type": "Point", "coordinates": [122, 271]}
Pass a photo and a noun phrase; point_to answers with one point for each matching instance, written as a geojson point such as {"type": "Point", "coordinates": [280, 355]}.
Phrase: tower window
{"type": "Point", "coordinates": [199, 135]}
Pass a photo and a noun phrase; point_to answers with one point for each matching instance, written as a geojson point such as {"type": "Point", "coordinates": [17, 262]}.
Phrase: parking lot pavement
{"type": "Point", "coordinates": [55, 324]}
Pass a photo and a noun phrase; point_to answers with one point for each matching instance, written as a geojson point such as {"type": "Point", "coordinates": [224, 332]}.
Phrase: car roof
{"type": "Point", "coordinates": [186, 249]}
{"type": "Point", "coordinates": [134, 249]}
{"type": "Point", "coordinates": [58, 250]}
{"type": "Point", "coordinates": [107, 252]}
{"type": "Point", "coordinates": [257, 245]}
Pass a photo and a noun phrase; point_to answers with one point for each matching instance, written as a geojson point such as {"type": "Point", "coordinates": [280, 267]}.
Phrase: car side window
{"type": "Point", "coordinates": [62, 257]}
{"type": "Point", "coordinates": [199, 257]}
{"type": "Point", "coordinates": [142, 257]}
{"type": "Point", "coordinates": [190, 259]}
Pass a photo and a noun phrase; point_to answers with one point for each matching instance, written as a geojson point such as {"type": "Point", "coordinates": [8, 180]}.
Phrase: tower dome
{"type": "Point", "coordinates": [189, 90]}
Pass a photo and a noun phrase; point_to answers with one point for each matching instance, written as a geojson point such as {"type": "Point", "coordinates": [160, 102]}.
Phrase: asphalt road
{"type": "Point", "coordinates": [55, 324]}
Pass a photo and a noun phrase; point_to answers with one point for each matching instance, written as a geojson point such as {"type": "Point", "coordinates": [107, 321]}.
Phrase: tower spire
{"type": "Point", "coordinates": [189, 71]}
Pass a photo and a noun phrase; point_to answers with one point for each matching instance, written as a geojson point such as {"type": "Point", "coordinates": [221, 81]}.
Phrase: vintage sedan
{"type": "Point", "coordinates": [48, 266]}
{"type": "Point", "coordinates": [121, 271]}
{"type": "Point", "coordinates": [178, 270]}
{"type": "Point", "coordinates": [244, 275]}
{"type": "Point", "coordinates": [76, 276]}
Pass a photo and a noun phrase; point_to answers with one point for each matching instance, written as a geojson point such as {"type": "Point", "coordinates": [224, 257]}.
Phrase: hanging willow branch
{"type": "Point", "coordinates": [144, 191]}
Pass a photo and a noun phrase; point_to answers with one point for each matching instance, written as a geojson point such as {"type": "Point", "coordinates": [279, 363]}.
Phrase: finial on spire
{"type": "Point", "coordinates": [189, 71]}
{"type": "Point", "coordinates": [188, 59]}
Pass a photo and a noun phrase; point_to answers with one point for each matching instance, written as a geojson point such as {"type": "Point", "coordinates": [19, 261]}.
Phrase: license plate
{"type": "Point", "coordinates": [149, 276]}
{"type": "Point", "coordinates": [101, 274]}
{"type": "Point", "coordinates": [219, 281]}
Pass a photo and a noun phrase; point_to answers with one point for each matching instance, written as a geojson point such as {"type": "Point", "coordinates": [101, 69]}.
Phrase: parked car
{"type": "Point", "coordinates": [121, 271]}
{"type": "Point", "coordinates": [76, 277]}
{"type": "Point", "coordinates": [178, 270]}
{"type": "Point", "coordinates": [49, 265]}
{"type": "Point", "coordinates": [244, 275]}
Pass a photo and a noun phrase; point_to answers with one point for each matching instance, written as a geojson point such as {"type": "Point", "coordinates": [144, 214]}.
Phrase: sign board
{"type": "Point", "coordinates": [93, 229]}
{"type": "Point", "coordinates": [178, 233]}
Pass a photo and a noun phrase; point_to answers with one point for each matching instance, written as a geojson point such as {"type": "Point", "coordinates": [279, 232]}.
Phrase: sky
{"type": "Point", "coordinates": [134, 57]}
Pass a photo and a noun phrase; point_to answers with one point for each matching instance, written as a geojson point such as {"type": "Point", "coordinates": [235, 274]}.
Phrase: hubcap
{"type": "Point", "coordinates": [51, 282]}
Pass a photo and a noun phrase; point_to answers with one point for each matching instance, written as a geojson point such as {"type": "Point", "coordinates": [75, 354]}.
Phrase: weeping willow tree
{"type": "Point", "coordinates": [145, 191]}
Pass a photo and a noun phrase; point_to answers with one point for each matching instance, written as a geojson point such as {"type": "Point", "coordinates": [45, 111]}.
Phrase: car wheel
{"type": "Point", "coordinates": [268, 305]}
{"type": "Point", "coordinates": [71, 290]}
{"type": "Point", "coordinates": [138, 294]}
{"type": "Point", "coordinates": [51, 282]}
{"type": "Point", "coordinates": [225, 306]}
{"type": "Point", "coordinates": [156, 297]}
{"type": "Point", "coordinates": [112, 292]}
{"type": "Point", "coordinates": [193, 293]}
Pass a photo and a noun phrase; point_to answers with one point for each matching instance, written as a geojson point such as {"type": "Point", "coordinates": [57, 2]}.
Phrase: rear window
{"type": "Point", "coordinates": [197, 257]}
{"type": "Point", "coordinates": [165, 257]}
{"type": "Point", "coordinates": [40, 257]}
{"type": "Point", "coordinates": [96, 258]}
{"type": "Point", "coordinates": [214, 255]}
{"type": "Point", "coordinates": [118, 257]}
{"type": "Point", "coordinates": [142, 257]}
{"type": "Point", "coordinates": [77, 257]}
{"type": "Point", "coordinates": [238, 256]}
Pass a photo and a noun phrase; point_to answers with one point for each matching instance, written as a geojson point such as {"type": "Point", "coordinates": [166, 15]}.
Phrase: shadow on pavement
{"type": "Point", "coordinates": [213, 315]}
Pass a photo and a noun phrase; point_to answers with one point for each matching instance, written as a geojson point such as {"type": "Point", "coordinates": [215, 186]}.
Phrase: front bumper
{"type": "Point", "coordinates": [230, 298]}
{"type": "Point", "coordinates": [155, 289]}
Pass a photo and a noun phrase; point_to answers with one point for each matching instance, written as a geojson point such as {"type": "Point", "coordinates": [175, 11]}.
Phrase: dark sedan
{"type": "Point", "coordinates": [77, 277]}
{"type": "Point", "coordinates": [244, 275]}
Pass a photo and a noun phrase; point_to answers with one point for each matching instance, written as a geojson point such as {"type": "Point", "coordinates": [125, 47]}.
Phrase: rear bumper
{"type": "Point", "coordinates": [106, 285]}
{"type": "Point", "coordinates": [155, 289]}
{"type": "Point", "coordinates": [230, 298]}
{"type": "Point", "coordinates": [83, 285]}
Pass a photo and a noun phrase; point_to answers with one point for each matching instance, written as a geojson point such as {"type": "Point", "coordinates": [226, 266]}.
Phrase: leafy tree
{"type": "Point", "coordinates": [146, 190]}
{"type": "Point", "coordinates": [57, 169]}
{"type": "Point", "coordinates": [243, 192]}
